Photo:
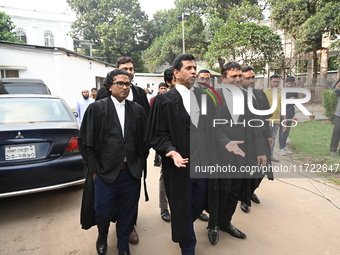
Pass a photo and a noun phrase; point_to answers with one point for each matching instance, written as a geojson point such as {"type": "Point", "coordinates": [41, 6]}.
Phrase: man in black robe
{"type": "Point", "coordinates": [260, 102]}
{"type": "Point", "coordinates": [248, 143]}
{"type": "Point", "coordinates": [175, 131]}
{"type": "Point", "coordinates": [111, 141]}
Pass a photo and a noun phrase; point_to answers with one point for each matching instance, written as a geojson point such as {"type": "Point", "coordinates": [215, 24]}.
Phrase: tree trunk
{"type": "Point", "coordinates": [324, 68]}
{"type": "Point", "coordinates": [315, 76]}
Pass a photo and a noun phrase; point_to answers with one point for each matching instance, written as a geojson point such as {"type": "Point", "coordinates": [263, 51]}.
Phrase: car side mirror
{"type": "Point", "coordinates": [75, 114]}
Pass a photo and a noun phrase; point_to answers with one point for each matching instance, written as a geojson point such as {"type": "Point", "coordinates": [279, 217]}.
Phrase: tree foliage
{"type": "Point", "coordinates": [168, 46]}
{"type": "Point", "coordinates": [206, 19]}
{"type": "Point", "coordinates": [119, 27]}
{"type": "Point", "coordinates": [246, 43]}
{"type": "Point", "coordinates": [307, 21]}
{"type": "Point", "coordinates": [6, 28]}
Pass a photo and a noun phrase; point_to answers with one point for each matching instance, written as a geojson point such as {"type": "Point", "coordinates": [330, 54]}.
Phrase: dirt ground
{"type": "Point", "coordinates": [296, 216]}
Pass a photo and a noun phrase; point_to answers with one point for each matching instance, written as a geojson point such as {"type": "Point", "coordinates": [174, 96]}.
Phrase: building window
{"type": "Point", "coordinates": [21, 35]}
{"type": "Point", "coordinates": [48, 39]}
{"type": "Point", "coordinates": [9, 73]}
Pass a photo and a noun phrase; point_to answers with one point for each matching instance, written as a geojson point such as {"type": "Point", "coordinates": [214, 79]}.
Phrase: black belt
{"type": "Point", "coordinates": [125, 165]}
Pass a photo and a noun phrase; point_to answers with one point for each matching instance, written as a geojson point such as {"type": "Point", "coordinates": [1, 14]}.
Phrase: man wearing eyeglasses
{"type": "Point", "coordinates": [139, 96]}
{"type": "Point", "coordinates": [111, 141]}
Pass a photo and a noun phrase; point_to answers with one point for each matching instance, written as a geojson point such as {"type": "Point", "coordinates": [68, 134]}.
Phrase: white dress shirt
{"type": "Point", "coordinates": [189, 102]}
{"type": "Point", "coordinates": [130, 96]}
{"type": "Point", "coordinates": [120, 109]}
{"type": "Point", "coordinates": [228, 96]}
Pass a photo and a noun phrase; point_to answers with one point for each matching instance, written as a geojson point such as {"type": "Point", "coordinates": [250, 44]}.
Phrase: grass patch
{"type": "Point", "coordinates": [334, 180]}
{"type": "Point", "coordinates": [311, 139]}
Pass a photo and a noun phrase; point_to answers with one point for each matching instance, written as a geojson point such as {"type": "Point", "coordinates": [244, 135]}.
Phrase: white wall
{"type": "Point", "coordinates": [66, 76]}
{"type": "Point", "coordinates": [142, 81]}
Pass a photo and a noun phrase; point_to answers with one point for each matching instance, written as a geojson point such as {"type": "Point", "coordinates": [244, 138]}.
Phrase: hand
{"type": "Point", "coordinates": [94, 176]}
{"type": "Point", "coordinates": [261, 160]}
{"type": "Point", "coordinates": [233, 147]}
{"type": "Point", "coordinates": [284, 128]}
{"type": "Point", "coordinates": [177, 158]}
{"type": "Point", "coordinates": [271, 142]}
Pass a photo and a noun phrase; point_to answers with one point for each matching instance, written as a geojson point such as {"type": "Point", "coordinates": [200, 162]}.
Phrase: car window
{"type": "Point", "coordinates": [23, 110]}
{"type": "Point", "coordinates": [23, 89]}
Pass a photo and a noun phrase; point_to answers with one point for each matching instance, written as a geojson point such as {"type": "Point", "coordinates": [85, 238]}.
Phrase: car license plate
{"type": "Point", "coordinates": [19, 152]}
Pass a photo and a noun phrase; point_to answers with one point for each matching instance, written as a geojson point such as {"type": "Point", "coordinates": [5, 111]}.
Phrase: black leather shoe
{"type": "Point", "coordinates": [133, 238]}
{"type": "Point", "coordinates": [213, 235]}
{"type": "Point", "coordinates": [124, 253]}
{"type": "Point", "coordinates": [233, 231]}
{"type": "Point", "coordinates": [203, 217]}
{"type": "Point", "coordinates": [165, 215]}
{"type": "Point", "coordinates": [244, 207]}
{"type": "Point", "coordinates": [101, 245]}
{"type": "Point", "coordinates": [255, 199]}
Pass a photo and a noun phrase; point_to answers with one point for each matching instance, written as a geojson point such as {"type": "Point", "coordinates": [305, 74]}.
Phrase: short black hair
{"type": "Point", "coordinates": [162, 84]}
{"type": "Point", "coordinates": [177, 64]}
{"type": "Point", "coordinates": [204, 71]}
{"type": "Point", "coordinates": [123, 60]}
{"type": "Point", "coordinates": [93, 89]}
{"type": "Point", "coordinates": [110, 77]}
{"type": "Point", "coordinates": [168, 75]}
{"type": "Point", "coordinates": [274, 76]}
{"type": "Point", "coordinates": [247, 69]}
{"type": "Point", "coordinates": [230, 66]}
{"type": "Point", "coordinates": [290, 79]}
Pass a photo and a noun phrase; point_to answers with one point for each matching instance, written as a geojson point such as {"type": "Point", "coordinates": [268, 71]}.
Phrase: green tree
{"type": "Point", "coordinates": [166, 47]}
{"type": "Point", "coordinates": [119, 27]}
{"type": "Point", "coordinates": [6, 29]}
{"type": "Point", "coordinates": [306, 21]}
{"type": "Point", "coordinates": [247, 43]}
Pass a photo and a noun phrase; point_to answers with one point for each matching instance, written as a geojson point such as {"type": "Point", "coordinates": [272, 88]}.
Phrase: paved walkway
{"type": "Point", "coordinates": [296, 216]}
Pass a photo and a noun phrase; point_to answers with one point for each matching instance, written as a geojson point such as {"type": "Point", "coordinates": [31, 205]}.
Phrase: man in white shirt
{"type": "Point", "coordinates": [174, 120]}
{"type": "Point", "coordinates": [82, 104]}
{"type": "Point", "coordinates": [111, 141]}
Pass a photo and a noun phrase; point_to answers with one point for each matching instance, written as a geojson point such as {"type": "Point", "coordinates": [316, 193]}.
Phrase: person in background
{"type": "Point", "coordinates": [82, 104]}
{"type": "Point", "coordinates": [336, 130]}
{"type": "Point", "coordinates": [169, 78]}
{"type": "Point", "coordinates": [290, 113]}
{"type": "Point", "coordinates": [274, 82]}
{"type": "Point", "coordinates": [163, 199]}
{"type": "Point", "coordinates": [94, 93]}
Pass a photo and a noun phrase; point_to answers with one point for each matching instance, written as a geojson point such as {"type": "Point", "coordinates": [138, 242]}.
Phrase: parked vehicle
{"type": "Point", "coordinates": [23, 86]}
{"type": "Point", "coordinates": [38, 145]}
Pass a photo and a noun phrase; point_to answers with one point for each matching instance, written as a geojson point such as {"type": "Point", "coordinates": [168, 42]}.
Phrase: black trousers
{"type": "Point", "coordinates": [197, 192]}
{"type": "Point", "coordinates": [117, 201]}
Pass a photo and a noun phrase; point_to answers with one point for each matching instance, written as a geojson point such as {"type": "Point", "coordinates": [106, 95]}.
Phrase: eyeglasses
{"type": "Point", "coordinates": [120, 84]}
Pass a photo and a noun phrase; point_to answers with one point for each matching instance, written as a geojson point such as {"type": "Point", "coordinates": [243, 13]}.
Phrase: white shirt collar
{"type": "Point", "coordinates": [116, 102]}
{"type": "Point", "coordinates": [181, 88]}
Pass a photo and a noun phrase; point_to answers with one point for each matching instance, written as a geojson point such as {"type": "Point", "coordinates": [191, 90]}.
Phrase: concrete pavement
{"type": "Point", "coordinates": [296, 216]}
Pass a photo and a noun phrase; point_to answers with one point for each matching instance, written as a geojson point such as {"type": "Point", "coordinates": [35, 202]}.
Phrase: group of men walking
{"type": "Point", "coordinates": [119, 128]}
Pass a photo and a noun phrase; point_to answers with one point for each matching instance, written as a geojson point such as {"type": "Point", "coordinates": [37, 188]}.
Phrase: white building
{"type": "Point", "coordinates": [65, 72]}
{"type": "Point", "coordinates": [41, 28]}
